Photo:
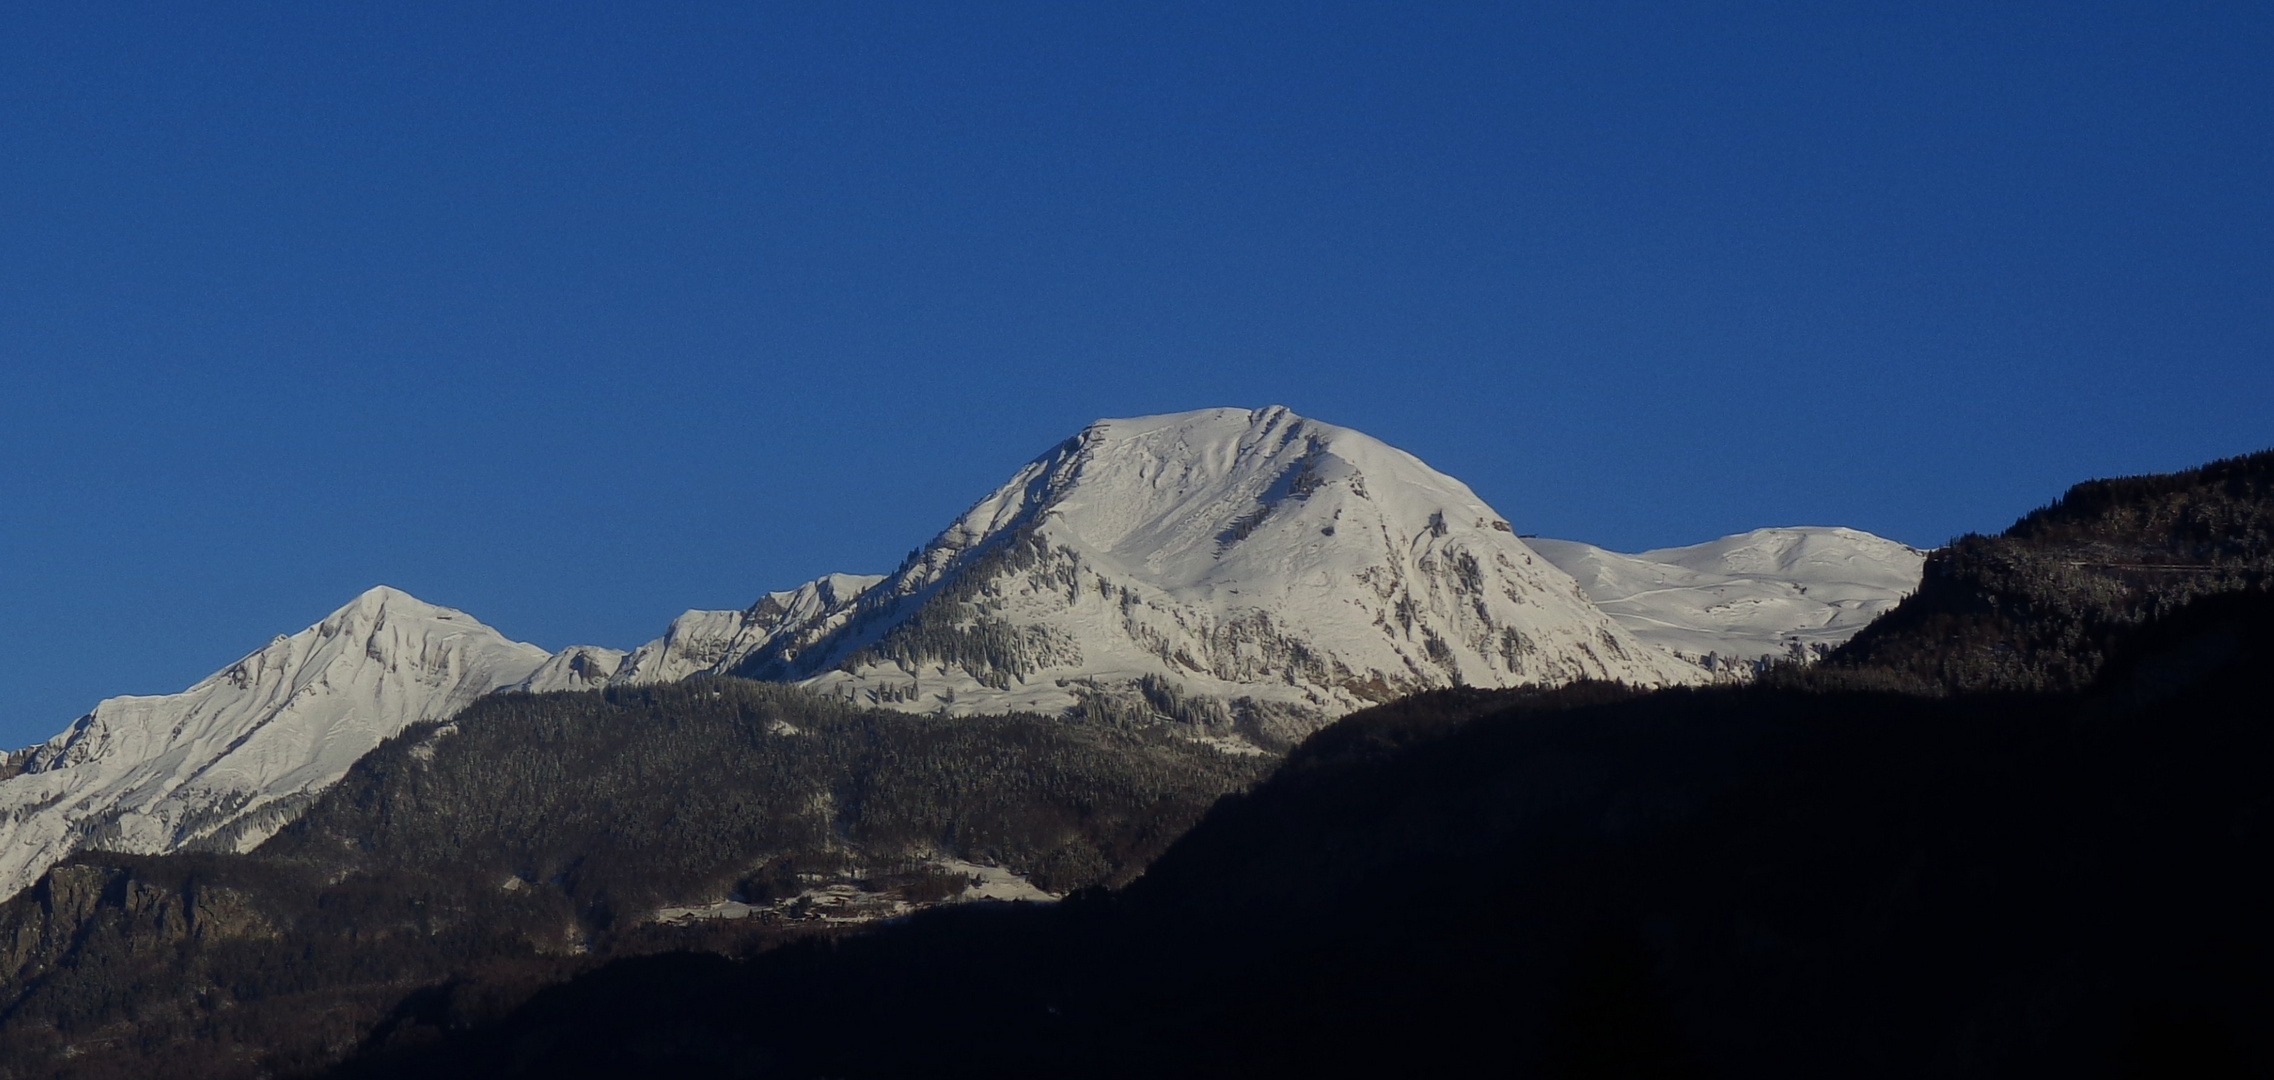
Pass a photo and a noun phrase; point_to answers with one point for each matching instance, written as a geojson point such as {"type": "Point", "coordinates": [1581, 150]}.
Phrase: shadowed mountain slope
{"type": "Point", "coordinates": [1737, 882]}
{"type": "Point", "coordinates": [2038, 606]}
{"type": "Point", "coordinates": [463, 864]}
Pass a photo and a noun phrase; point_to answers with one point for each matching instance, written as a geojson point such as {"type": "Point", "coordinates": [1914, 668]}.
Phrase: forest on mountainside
{"type": "Point", "coordinates": [2039, 606]}
{"type": "Point", "coordinates": [1751, 881]}
{"type": "Point", "coordinates": [534, 835]}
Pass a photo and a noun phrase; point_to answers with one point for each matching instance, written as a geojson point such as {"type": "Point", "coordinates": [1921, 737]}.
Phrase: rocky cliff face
{"type": "Point", "coordinates": [70, 902]}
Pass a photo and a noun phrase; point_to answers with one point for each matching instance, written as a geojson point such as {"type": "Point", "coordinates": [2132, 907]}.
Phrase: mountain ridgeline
{"type": "Point", "coordinates": [1251, 574]}
{"type": "Point", "coordinates": [225, 763]}
{"type": "Point", "coordinates": [1262, 572]}
{"type": "Point", "coordinates": [1735, 605]}
{"type": "Point", "coordinates": [2039, 606]}
{"type": "Point", "coordinates": [1283, 567]}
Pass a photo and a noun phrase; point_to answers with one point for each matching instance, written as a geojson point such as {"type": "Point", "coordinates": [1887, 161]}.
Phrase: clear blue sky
{"type": "Point", "coordinates": [574, 316]}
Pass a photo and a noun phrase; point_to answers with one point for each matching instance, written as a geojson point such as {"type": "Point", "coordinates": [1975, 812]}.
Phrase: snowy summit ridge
{"type": "Point", "coordinates": [1288, 569]}
{"type": "Point", "coordinates": [702, 641]}
{"type": "Point", "coordinates": [1734, 604]}
{"type": "Point", "coordinates": [227, 762]}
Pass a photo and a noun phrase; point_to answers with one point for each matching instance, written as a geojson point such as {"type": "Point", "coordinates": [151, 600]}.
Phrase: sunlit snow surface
{"type": "Point", "coordinates": [578, 667]}
{"type": "Point", "coordinates": [715, 641]}
{"type": "Point", "coordinates": [1234, 553]}
{"type": "Point", "coordinates": [229, 761]}
{"type": "Point", "coordinates": [1742, 599]}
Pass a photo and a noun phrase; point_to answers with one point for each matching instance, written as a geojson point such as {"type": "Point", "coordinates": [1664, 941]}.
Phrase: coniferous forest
{"type": "Point", "coordinates": [2041, 606]}
{"type": "Point", "coordinates": [534, 835]}
{"type": "Point", "coordinates": [2014, 828]}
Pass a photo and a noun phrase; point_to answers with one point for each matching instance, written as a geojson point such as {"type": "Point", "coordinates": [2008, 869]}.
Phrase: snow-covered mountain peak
{"type": "Point", "coordinates": [1802, 552]}
{"type": "Point", "coordinates": [714, 641]}
{"type": "Point", "coordinates": [1733, 604]}
{"type": "Point", "coordinates": [1238, 554]}
{"type": "Point", "coordinates": [231, 759]}
{"type": "Point", "coordinates": [1193, 501]}
{"type": "Point", "coordinates": [381, 602]}
{"type": "Point", "coordinates": [812, 599]}
{"type": "Point", "coordinates": [1224, 495]}
{"type": "Point", "coordinates": [577, 667]}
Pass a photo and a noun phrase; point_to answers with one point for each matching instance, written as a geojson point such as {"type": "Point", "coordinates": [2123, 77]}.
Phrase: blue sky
{"type": "Point", "coordinates": [576, 315]}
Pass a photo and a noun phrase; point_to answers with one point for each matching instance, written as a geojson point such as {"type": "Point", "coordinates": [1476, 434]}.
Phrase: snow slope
{"type": "Point", "coordinates": [1277, 568]}
{"type": "Point", "coordinates": [715, 641]}
{"type": "Point", "coordinates": [578, 667]}
{"type": "Point", "coordinates": [1732, 604]}
{"type": "Point", "coordinates": [227, 762]}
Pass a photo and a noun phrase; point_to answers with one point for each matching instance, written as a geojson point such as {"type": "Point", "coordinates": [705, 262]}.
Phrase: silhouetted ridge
{"type": "Point", "coordinates": [2038, 606]}
{"type": "Point", "coordinates": [1734, 882]}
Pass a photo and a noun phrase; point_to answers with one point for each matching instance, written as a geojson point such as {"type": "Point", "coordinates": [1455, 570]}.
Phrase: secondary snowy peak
{"type": "Point", "coordinates": [1733, 604]}
{"type": "Point", "coordinates": [694, 642]}
{"type": "Point", "coordinates": [1228, 554]}
{"type": "Point", "coordinates": [227, 762]}
{"type": "Point", "coordinates": [715, 641]}
{"type": "Point", "coordinates": [578, 667]}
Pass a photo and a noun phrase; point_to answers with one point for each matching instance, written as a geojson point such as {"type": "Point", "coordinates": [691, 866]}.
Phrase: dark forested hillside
{"type": "Point", "coordinates": [1755, 882]}
{"type": "Point", "coordinates": [463, 864]}
{"type": "Point", "coordinates": [2037, 607]}
{"type": "Point", "coordinates": [667, 793]}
